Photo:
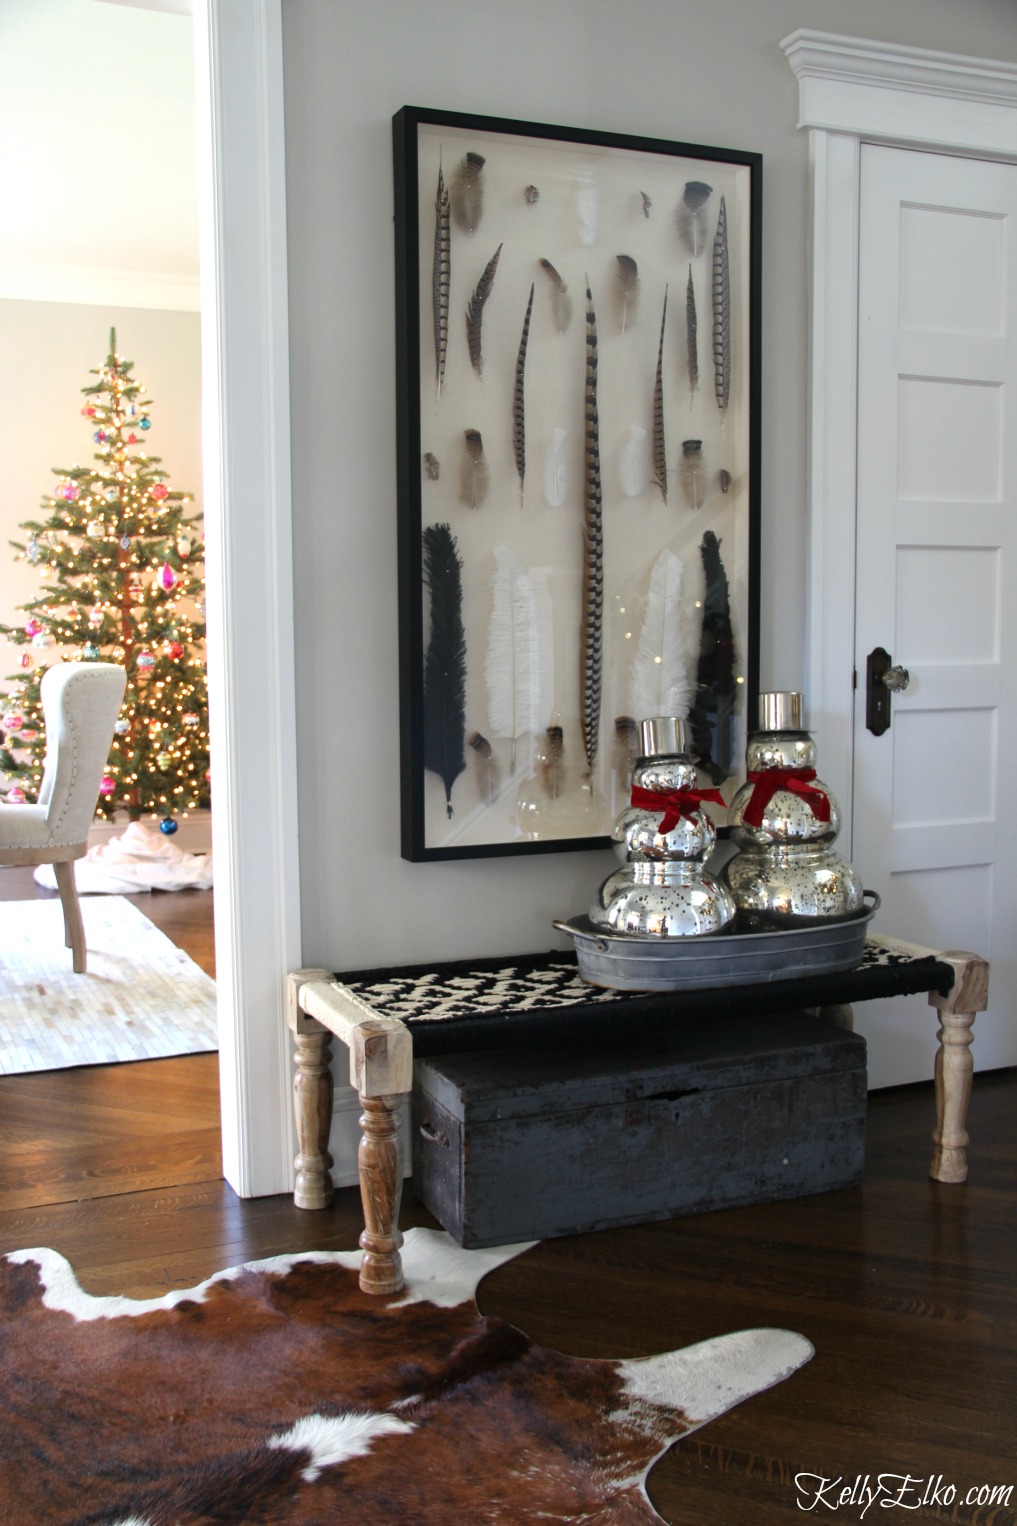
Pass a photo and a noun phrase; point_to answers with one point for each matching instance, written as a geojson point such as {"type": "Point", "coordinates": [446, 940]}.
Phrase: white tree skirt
{"type": "Point", "coordinates": [139, 859]}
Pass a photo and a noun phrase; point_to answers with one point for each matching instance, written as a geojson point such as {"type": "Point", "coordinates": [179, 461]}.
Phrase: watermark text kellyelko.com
{"type": "Point", "coordinates": [893, 1491]}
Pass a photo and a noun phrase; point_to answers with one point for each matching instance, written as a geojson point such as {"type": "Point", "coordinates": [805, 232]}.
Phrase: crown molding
{"type": "Point", "coordinates": [87, 286]}
{"type": "Point", "coordinates": [884, 91]}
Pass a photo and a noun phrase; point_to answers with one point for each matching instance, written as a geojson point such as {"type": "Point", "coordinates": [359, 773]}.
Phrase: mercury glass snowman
{"type": "Point", "coordinates": [784, 821]}
{"type": "Point", "coordinates": [665, 838]}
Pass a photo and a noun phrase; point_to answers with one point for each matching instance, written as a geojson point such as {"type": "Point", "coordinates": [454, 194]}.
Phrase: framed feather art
{"type": "Point", "coordinates": [578, 454]}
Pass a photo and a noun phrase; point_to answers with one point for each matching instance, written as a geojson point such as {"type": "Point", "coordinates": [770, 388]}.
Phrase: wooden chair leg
{"type": "Point", "coordinates": [74, 929]}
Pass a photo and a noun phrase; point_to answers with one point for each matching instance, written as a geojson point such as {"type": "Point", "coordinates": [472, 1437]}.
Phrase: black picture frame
{"type": "Point", "coordinates": [505, 533]}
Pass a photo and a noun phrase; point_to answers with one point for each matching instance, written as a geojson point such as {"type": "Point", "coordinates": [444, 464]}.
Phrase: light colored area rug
{"type": "Point", "coordinates": [142, 998]}
{"type": "Point", "coordinates": [278, 1391]}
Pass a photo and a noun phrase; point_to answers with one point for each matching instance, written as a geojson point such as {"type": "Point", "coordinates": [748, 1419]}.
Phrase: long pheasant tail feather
{"type": "Point", "coordinates": [659, 453]}
{"type": "Point", "coordinates": [475, 312]}
{"type": "Point", "coordinates": [444, 660]}
{"type": "Point", "coordinates": [691, 337]}
{"type": "Point", "coordinates": [441, 278]}
{"type": "Point", "coordinates": [721, 313]}
{"type": "Point", "coordinates": [591, 630]}
{"type": "Point", "coordinates": [561, 301]}
{"type": "Point", "coordinates": [519, 400]}
{"type": "Point", "coordinates": [467, 192]}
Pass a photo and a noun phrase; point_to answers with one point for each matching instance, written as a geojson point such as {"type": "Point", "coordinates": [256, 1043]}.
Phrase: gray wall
{"type": "Point", "coordinates": [706, 71]}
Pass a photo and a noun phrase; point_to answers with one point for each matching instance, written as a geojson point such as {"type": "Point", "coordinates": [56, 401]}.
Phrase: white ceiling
{"type": "Point", "coordinates": [97, 152]}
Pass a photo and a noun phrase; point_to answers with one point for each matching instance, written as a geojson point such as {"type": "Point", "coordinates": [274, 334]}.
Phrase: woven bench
{"type": "Point", "coordinates": [386, 1016]}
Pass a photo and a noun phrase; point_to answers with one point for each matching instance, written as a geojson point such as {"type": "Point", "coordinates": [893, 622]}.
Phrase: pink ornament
{"type": "Point", "coordinates": [167, 576]}
{"type": "Point", "coordinates": [33, 627]}
{"type": "Point", "coordinates": [28, 734]}
{"type": "Point", "coordinates": [132, 439]}
{"type": "Point", "coordinates": [145, 661]}
{"type": "Point", "coordinates": [12, 721]}
{"type": "Point", "coordinates": [107, 786]}
{"type": "Point", "coordinates": [70, 491]}
{"type": "Point", "coordinates": [88, 411]}
{"type": "Point", "coordinates": [159, 492]}
{"type": "Point", "coordinates": [27, 660]}
{"type": "Point", "coordinates": [15, 796]}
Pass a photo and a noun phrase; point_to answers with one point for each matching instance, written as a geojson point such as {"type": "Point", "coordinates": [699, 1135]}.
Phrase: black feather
{"type": "Point", "coordinates": [716, 682]}
{"type": "Point", "coordinates": [445, 660]}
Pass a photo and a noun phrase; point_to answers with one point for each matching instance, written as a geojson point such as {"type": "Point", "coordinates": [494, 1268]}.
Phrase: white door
{"type": "Point", "coordinates": [934, 795]}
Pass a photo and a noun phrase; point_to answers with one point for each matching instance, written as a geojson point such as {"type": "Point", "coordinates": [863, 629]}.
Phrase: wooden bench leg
{"type": "Point", "coordinates": [968, 996]}
{"type": "Point", "coordinates": [313, 1092]}
{"type": "Point", "coordinates": [381, 1188]}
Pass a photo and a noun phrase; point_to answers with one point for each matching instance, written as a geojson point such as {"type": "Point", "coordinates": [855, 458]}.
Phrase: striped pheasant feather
{"type": "Point", "coordinates": [591, 627]}
{"type": "Point", "coordinates": [691, 336]}
{"type": "Point", "coordinates": [441, 276]}
{"type": "Point", "coordinates": [659, 454]}
{"type": "Point", "coordinates": [519, 401]}
{"type": "Point", "coordinates": [475, 312]}
{"type": "Point", "coordinates": [721, 313]}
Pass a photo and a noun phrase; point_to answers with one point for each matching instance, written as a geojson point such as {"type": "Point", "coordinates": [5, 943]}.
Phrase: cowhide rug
{"type": "Point", "coordinates": [278, 1392]}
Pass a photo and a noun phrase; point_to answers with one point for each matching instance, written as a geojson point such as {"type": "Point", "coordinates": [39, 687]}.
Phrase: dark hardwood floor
{"type": "Point", "coordinates": [905, 1286]}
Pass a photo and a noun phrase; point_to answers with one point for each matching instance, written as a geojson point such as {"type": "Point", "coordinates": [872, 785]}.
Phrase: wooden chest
{"type": "Point", "coordinates": [520, 1144]}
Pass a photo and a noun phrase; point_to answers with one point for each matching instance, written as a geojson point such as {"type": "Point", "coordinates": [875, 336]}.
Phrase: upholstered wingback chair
{"type": "Point", "coordinates": [80, 703]}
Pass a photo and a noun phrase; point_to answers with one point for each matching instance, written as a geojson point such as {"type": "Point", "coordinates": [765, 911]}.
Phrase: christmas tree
{"type": "Point", "coordinates": [122, 567]}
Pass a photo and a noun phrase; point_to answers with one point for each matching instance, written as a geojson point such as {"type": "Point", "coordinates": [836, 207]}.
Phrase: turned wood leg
{"type": "Point", "coordinates": [968, 996]}
{"type": "Point", "coordinates": [381, 1186]}
{"type": "Point", "coordinates": [312, 1102]}
{"type": "Point", "coordinates": [74, 929]}
{"type": "Point", "coordinates": [954, 1069]}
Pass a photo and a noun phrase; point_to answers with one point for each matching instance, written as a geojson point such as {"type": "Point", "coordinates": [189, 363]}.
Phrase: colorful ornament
{"type": "Point", "coordinates": [125, 542]}
{"type": "Point", "coordinates": [33, 551]}
{"type": "Point", "coordinates": [107, 786]}
{"type": "Point", "coordinates": [164, 759]}
{"type": "Point", "coordinates": [33, 627]}
{"type": "Point", "coordinates": [159, 492]}
{"type": "Point", "coordinates": [95, 529]}
{"type": "Point", "coordinates": [132, 439]}
{"type": "Point", "coordinates": [28, 733]}
{"type": "Point", "coordinates": [96, 616]}
{"type": "Point", "coordinates": [145, 662]}
{"type": "Point", "coordinates": [167, 576]}
{"type": "Point", "coordinates": [90, 652]}
{"type": "Point", "coordinates": [15, 796]}
{"type": "Point", "coordinates": [183, 545]}
{"type": "Point", "coordinates": [99, 437]}
{"type": "Point", "coordinates": [120, 726]}
{"type": "Point", "coordinates": [167, 825]}
{"type": "Point", "coordinates": [145, 422]}
{"type": "Point", "coordinates": [27, 660]}
{"type": "Point", "coordinates": [117, 653]}
{"type": "Point", "coordinates": [42, 640]}
{"type": "Point", "coordinates": [112, 494]}
{"type": "Point", "coordinates": [69, 490]}
{"type": "Point", "coordinates": [175, 650]}
{"type": "Point", "coordinates": [190, 718]}
{"type": "Point", "coordinates": [12, 721]}
{"type": "Point", "coordinates": [88, 411]}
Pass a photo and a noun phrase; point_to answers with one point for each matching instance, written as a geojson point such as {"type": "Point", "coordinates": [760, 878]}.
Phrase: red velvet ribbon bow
{"type": "Point", "coordinates": [796, 780]}
{"type": "Point", "coordinates": [674, 803]}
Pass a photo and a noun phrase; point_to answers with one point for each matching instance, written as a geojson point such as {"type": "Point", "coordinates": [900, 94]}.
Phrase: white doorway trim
{"type": "Point", "coordinates": [246, 456]}
{"type": "Point", "coordinates": [852, 91]}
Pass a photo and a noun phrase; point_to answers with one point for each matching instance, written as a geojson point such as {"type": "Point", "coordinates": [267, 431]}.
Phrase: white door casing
{"type": "Point", "coordinates": [852, 91]}
{"type": "Point", "coordinates": [246, 470]}
{"type": "Point", "coordinates": [936, 569]}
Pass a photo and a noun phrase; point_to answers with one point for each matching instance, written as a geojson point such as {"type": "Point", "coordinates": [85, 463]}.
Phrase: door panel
{"type": "Point", "coordinates": [937, 579]}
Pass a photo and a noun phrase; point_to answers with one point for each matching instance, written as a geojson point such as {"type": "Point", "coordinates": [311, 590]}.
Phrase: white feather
{"type": "Point", "coordinates": [556, 470]}
{"type": "Point", "coordinates": [662, 681]}
{"type": "Point", "coordinates": [632, 463]}
{"type": "Point", "coordinates": [587, 207]}
{"type": "Point", "coordinates": [512, 668]}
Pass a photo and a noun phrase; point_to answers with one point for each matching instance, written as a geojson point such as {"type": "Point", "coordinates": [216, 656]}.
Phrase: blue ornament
{"type": "Point", "coordinates": [167, 825]}
{"type": "Point", "coordinates": [145, 423]}
{"type": "Point", "coordinates": [90, 652]}
{"type": "Point", "coordinates": [125, 542]}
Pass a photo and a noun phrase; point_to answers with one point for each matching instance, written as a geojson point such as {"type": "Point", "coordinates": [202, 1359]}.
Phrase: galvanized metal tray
{"type": "Point", "coordinates": [624, 962]}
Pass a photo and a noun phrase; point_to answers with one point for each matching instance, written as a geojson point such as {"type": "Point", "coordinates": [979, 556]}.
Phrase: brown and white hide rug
{"type": "Point", "coordinates": [278, 1392]}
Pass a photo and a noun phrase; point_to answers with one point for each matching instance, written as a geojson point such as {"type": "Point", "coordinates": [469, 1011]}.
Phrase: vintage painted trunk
{"type": "Point", "coordinates": [520, 1144]}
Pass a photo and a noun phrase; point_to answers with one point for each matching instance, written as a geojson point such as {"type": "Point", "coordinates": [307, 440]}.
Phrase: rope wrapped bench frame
{"type": "Point", "coordinates": [386, 1016]}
